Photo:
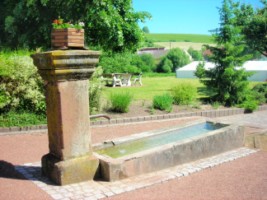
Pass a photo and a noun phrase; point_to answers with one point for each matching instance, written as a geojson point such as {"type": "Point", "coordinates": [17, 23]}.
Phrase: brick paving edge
{"type": "Point", "coordinates": [208, 113]}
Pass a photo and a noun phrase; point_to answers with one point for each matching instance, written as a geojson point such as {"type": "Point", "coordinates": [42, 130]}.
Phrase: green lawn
{"type": "Point", "coordinates": [151, 86]}
{"type": "Point", "coordinates": [198, 38]}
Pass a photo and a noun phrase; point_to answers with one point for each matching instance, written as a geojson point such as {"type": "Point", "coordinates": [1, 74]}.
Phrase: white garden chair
{"type": "Point", "coordinates": [116, 80]}
{"type": "Point", "coordinates": [138, 79]}
{"type": "Point", "coordinates": [126, 79]}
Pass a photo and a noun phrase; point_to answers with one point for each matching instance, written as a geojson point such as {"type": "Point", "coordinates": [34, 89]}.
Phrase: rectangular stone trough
{"type": "Point", "coordinates": [115, 166]}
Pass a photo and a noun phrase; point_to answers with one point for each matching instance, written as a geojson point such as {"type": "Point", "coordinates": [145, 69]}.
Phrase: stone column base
{"type": "Point", "coordinates": [69, 171]}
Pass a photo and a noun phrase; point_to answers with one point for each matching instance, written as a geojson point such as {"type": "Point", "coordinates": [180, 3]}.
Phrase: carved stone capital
{"type": "Point", "coordinates": [62, 65]}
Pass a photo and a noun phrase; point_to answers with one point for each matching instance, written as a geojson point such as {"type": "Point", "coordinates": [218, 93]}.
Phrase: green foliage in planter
{"type": "Point", "coordinates": [120, 102]}
{"type": "Point", "coordinates": [163, 102]}
{"type": "Point", "coordinates": [184, 94]}
{"type": "Point", "coordinates": [21, 87]}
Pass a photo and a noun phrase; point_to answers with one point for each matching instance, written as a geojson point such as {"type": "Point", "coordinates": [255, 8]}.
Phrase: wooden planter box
{"type": "Point", "coordinates": [69, 37]}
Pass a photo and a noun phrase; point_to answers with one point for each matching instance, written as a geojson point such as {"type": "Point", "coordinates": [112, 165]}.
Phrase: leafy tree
{"type": "Point", "coordinates": [253, 26]}
{"type": "Point", "coordinates": [227, 82]}
{"type": "Point", "coordinates": [178, 58]}
{"type": "Point", "coordinates": [196, 55]}
{"type": "Point", "coordinates": [148, 43]}
{"type": "Point", "coordinates": [119, 62]}
{"type": "Point", "coordinates": [127, 62]}
{"type": "Point", "coordinates": [165, 65]}
{"type": "Point", "coordinates": [145, 29]}
{"type": "Point", "coordinates": [111, 25]}
{"type": "Point", "coordinates": [148, 63]}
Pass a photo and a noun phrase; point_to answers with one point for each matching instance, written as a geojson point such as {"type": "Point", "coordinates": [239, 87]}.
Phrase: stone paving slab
{"type": "Point", "coordinates": [99, 189]}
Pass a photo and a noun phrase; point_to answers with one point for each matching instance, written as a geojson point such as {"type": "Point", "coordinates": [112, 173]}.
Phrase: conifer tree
{"type": "Point", "coordinates": [227, 81]}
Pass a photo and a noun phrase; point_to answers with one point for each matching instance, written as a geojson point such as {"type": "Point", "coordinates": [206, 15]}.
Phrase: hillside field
{"type": "Point", "coordinates": [181, 45]}
{"type": "Point", "coordinates": [164, 37]}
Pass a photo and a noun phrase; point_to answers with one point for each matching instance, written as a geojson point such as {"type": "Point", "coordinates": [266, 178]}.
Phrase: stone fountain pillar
{"type": "Point", "coordinates": [66, 74]}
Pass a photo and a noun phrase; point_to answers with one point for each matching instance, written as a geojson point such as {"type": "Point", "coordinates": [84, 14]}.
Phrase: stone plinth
{"type": "Point", "coordinates": [66, 75]}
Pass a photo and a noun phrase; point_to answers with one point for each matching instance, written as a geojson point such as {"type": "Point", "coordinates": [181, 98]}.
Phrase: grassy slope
{"type": "Point", "coordinates": [198, 38]}
{"type": "Point", "coordinates": [181, 45]}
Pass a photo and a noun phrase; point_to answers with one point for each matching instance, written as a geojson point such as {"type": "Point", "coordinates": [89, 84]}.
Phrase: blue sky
{"type": "Point", "coordinates": [183, 16]}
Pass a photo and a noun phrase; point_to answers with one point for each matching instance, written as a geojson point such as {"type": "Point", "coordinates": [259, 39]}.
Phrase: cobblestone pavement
{"type": "Point", "coordinates": [98, 189]}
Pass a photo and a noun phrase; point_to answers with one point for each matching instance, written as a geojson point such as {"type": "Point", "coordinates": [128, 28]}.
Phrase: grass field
{"type": "Point", "coordinates": [152, 86]}
{"type": "Point", "coordinates": [181, 45]}
{"type": "Point", "coordinates": [195, 38]}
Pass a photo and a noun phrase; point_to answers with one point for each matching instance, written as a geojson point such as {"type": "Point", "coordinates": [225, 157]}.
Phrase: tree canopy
{"type": "Point", "coordinates": [145, 29]}
{"type": "Point", "coordinates": [111, 25]}
{"type": "Point", "coordinates": [253, 24]}
{"type": "Point", "coordinates": [174, 59]}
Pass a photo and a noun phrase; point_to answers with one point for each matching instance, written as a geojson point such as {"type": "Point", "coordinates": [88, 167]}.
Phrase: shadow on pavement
{"type": "Point", "coordinates": [22, 172]}
{"type": "Point", "coordinates": [8, 170]}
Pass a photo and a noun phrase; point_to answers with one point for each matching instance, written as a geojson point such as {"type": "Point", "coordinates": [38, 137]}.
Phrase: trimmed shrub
{"type": "Point", "coordinates": [163, 102]}
{"type": "Point", "coordinates": [21, 87]}
{"type": "Point", "coordinates": [120, 102]}
{"type": "Point", "coordinates": [250, 105]}
{"type": "Point", "coordinates": [260, 92]}
{"type": "Point", "coordinates": [184, 94]}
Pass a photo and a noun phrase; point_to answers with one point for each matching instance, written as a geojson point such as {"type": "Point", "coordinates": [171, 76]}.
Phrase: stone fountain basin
{"type": "Point", "coordinates": [167, 155]}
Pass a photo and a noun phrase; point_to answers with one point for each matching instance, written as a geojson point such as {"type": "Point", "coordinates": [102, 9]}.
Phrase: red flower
{"type": "Point", "coordinates": [55, 21]}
